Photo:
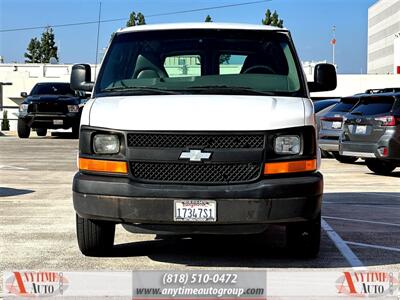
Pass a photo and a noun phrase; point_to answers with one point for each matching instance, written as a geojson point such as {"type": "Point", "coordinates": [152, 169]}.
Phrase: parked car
{"type": "Point", "coordinates": [50, 105]}
{"type": "Point", "coordinates": [372, 131]}
{"type": "Point", "coordinates": [331, 128]}
{"type": "Point", "coordinates": [321, 107]}
{"type": "Point", "coordinates": [324, 105]}
{"type": "Point", "coordinates": [384, 90]}
{"type": "Point", "coordinates": [202, 149]}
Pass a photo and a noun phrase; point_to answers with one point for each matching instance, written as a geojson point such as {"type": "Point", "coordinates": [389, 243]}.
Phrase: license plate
{"type": "Point", "coordinates": [361, 129]}
{"type": "Point", "coordinates": [58, 122]}
{"type": "Point", "coordinates": [195, 210]}
{"type": "Point", "coordinates": [337, 125]}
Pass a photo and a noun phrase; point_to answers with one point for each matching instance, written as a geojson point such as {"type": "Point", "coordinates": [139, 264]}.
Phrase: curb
{"type": "Point", "coordinates": [8, 133]}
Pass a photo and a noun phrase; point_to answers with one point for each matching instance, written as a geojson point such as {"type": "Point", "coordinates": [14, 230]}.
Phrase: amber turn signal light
{"type": "Point", "coordinates": [290, 167]}
{"type": "Point", "coordinates": [105, 166]}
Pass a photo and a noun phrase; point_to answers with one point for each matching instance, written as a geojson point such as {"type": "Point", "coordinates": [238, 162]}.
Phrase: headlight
{"type": "Point", "coordinates": [287, 144]}
{"type": "Point", "coordinates": [23, 107]}
{"type": "Point", "coordinates": [73, 108]}
{"type": "Point", "coordinates": [106, 144]}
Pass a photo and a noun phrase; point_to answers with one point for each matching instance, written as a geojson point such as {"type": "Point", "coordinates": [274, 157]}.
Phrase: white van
{"type": "Point", "coordinates": [199, 129]}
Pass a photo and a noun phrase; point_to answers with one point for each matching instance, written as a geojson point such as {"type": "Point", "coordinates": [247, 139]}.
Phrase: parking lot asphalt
{"type": "Point", "coordinates": [37, 221]}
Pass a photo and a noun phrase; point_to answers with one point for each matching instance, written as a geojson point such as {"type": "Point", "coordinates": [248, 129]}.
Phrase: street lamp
{"type": "Point", "coordinates": [333, 42]}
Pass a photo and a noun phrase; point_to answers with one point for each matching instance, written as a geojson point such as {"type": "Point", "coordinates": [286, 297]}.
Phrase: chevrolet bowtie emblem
{"type": "Point", "coordinates": [195, 155]}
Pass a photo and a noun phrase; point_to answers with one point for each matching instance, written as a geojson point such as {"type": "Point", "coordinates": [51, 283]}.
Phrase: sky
{"type": "Point", "coordinates": [310, 22]}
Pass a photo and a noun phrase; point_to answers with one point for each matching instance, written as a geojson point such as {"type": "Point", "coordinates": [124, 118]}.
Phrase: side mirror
{"type": "Point", "coordinates": [24, 94]}
{"type": "Point", "coordinates": [80, 78]}
{"type": "Point", "coordinates": [324, 78]}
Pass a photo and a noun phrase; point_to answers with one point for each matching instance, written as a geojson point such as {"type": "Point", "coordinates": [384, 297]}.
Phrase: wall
{"type": "Point", "coordinates": [349, 84]}
{"type": "Point", "coordinates": [396, 45]}
{"type": "Point", "coordinates": [383, 25]}
{"type": "Point", "coordinates": [25, 76]}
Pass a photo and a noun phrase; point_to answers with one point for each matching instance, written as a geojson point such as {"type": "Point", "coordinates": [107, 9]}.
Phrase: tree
{"type": "Point", "coordinates": [224, 58]}
{"type": "Point", "coordinates": [140, 19]}
{"type": "Point", "coordinates": [48, 45]}
{"type": "Point", "coordinates": [33, 52]}
{"type": "Point", "coordinates": [5, 124]}
{"type": "Point", "coordinates": [135, 20]}
{"type": "Point", "coordinates": [272, 19]}
{"type": "Point", "coordinates": [41, 51]}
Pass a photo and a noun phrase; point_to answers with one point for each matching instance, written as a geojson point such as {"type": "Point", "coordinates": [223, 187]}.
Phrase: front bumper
{"type": "Point", "coordinates": [275, 200]}
{"type": "Point", "coordinates": [46, 120]}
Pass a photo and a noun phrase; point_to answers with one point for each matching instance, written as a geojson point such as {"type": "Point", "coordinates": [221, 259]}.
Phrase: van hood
{"type": "Point", "coordinates": [198, 113]}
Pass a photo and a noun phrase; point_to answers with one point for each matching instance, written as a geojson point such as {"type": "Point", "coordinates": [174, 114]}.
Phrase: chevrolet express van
{"type": "Point", "coordinates": [199, 129]}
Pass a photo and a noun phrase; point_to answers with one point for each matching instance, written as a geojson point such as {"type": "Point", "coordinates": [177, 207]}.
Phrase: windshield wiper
{"type": "Point", "coordinates": [138, 89]}
{"type": "Point", "coordinates": [224, 88]}
{"type": "Point", "coordinates": [356, 113]}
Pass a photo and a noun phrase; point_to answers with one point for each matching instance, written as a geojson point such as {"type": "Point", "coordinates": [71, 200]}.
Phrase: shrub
{"type": "Point", "coordinates": [5, 123]}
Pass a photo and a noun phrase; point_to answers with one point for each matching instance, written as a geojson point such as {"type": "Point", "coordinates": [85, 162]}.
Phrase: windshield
{"type": "Point", "coordinates": [200, 62]}
{"type": "Point", "coordinates": [374, 106]}
{"type": "Point", "coordinates": [322, 104]}
{"type": "Point", "coordinates": [345, 105]}
{"type": "Point", "coordinates": [52, 89]}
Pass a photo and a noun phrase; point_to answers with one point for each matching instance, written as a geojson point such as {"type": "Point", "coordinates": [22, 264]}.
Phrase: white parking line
{"type": "Point", "coordinates": [373, 246]}
{"type": "Point", "coordinates": [363, 221]}
{"type": "Point", "coordinates": [347, 253]}
{"type": "Point", "coordinates": [382, 194]}
{"type": "Point", "coordinates": [378, 206]}
{"type": "Point", "coordinates": [7, 167]}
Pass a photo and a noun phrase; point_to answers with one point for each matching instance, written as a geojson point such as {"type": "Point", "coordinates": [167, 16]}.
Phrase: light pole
{"type": "Point", "coordinates": [97, 41]}
{"type": "Point", "coordinates": [333, 42]}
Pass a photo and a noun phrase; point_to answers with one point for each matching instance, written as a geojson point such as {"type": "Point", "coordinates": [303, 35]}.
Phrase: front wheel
{"type": "Point", "coordinates": [41, 131]}
{"type": "Point", "coordinates": [380, 167]}
{"type": "Point", "coordinates": [95, 238]}
{"type": "Point", "coordinates": [23, 129]}
{"type": "Point", "coordinates": [303, 239]}
{"type": "Point", "coordinates": [344, 159]}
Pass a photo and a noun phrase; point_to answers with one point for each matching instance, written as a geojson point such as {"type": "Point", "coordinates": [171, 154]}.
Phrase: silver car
{"type": "Point", "coordinates": [331, 128]}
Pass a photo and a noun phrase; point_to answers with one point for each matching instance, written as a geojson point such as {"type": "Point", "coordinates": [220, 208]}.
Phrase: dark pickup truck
{"type": "Point", "coordinates": [50, 105]}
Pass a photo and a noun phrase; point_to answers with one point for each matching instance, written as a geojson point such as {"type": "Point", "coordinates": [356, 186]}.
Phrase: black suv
{"type": "Point", "coordinates": [372, 131]}
{"type": "Point", "coordinates": [50, 105]}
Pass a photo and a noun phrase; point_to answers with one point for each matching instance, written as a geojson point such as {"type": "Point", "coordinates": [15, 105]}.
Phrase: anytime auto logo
{"type": "Point", "coordinates": [368, 284]}
{"type": "Point", "coordinates": [36, 283]}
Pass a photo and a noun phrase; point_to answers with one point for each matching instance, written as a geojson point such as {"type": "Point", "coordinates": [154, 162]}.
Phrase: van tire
{"type": "Point", "coordinates": [344, 159]}
{"type": "Point", "coordinates": [23, 129]}
{"type": "Point", "coordinates": [41, 131]}
{"type": "Point", "coordinates": [75, 131]}
{"type": "Point", "coordinates": [303, 239]}
{"type": "Point", "coordinates": [95, 238]}
{"type": "Point", "coordinates": [380, 167]}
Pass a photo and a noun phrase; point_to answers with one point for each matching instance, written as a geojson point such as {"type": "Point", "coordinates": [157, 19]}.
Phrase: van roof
{"type": "Point", "coordinates": [202, 25]}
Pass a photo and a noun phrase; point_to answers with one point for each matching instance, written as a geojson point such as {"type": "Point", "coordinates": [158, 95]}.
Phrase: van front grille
{"type": "Point", "coordinates": [214, 141]}
{"type": "Point", "coordinates": [195, 173]}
